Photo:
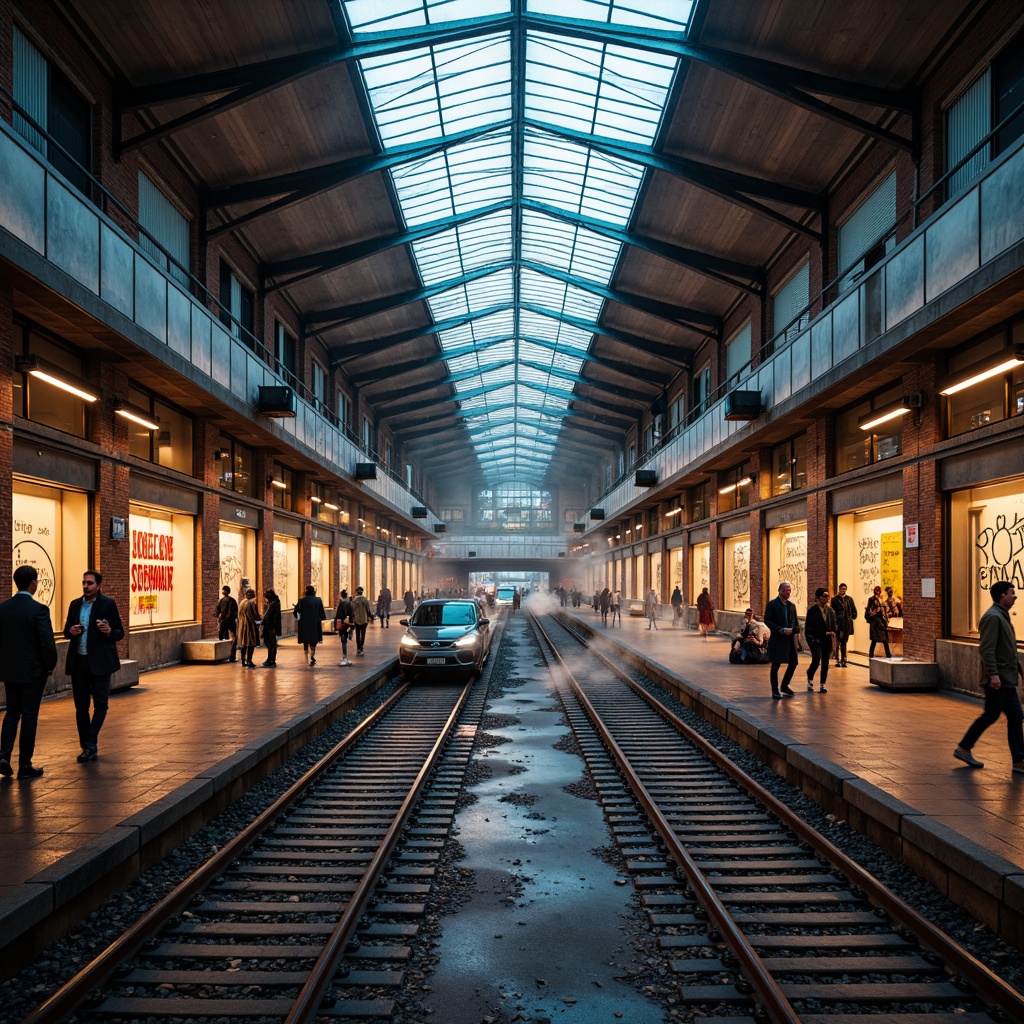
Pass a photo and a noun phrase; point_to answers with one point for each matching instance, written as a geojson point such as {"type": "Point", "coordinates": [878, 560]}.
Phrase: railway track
{"type": "Point", "coordinates": [762, 915]}
{"type": "Point", "coordinates": [309, 911]}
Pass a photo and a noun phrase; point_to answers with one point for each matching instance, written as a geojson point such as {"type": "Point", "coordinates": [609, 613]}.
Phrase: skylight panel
{"type": "Point", "coordinates": [660, 14]}
{"type": "Point", "coordinates": [480, 243]}
{"type": "Point", "coordinates": [379, 15]}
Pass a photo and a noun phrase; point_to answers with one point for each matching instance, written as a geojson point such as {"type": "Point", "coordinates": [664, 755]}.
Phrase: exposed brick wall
{"type": "Point", "coordinates": [7, 351]}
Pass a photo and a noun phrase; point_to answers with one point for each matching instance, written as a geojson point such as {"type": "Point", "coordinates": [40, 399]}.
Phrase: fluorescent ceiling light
{"type": "Point", "coordinates": [138, 417]}
{"type": "Point", "coordinates": [977, 378]}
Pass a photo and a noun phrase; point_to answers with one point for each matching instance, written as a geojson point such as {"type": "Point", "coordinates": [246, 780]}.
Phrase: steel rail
{"type": "Point", "coordinates": [987, 984]}
{"type": "Point", "coordinates": [764, 984]}
{"type": "Point", "coordinates": [307, 1003]}
{"type": "Point", "coordinates": [98, 970]}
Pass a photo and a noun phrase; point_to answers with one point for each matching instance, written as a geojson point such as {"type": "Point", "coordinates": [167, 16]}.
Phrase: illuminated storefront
{"type": "Point", "coordinates": [787, 561]}
{"type": "Point", "coordinates": [238, 548]}
{"type": "Point", "coordinates": [162, 573]}
{"type": "Point", "coordinates": [320, 564]}
{"type": "Point", "coordinates": [700, 568]}
{"type": "Point", "coordinates": [287, 564]}
{"type": "Point", "coordinates": [735, 570]}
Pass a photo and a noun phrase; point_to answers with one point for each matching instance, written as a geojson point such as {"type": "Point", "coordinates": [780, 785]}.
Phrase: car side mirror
{"type": "Point", "coordinates": [483, 622]}
{"type": "Point", "coordinates": [403, 622]}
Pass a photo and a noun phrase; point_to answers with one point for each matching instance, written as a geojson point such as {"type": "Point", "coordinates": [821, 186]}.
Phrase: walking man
{"type": "Point", "coordinates": [29, 656]}
{"type": "Point", "coordinates": [820, 630]}
{"type": "Point", "coordinates": [384, 606]}
{"type": "Point", "coordinates": [780, 617]}
{"type": "Point", "coordinates": [677, 607]}
{"type": "Point", "coordinates": [227, 616]}
{"type": "Point", "coordinates": [94, 628]}
{"type": "Point", "coordinates": [360, 617]}
{"type": "Point", "coordinates": [846, 611]}
{"type": "Point", "coordinates": [998, 650]}
{"type": "Point", "coordinates": [342, 625]}
{"type": "Point", "coordinates": [651, 610]}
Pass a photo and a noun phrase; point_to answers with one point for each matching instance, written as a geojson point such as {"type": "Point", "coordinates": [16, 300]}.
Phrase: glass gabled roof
{"type": "Point", "coordinates": [526, 87]}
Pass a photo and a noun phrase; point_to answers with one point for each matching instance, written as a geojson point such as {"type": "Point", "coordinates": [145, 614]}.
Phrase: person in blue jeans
{"type": "Point", "coordinates": [998, 649]}
{"type": "Point", "coordinates": [343, 625]}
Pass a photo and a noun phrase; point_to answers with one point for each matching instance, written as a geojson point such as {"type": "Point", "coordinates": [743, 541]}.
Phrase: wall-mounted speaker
{"type": "Point", "coordinates": [440, 527]}
{"type": "Point", "coordinates": [597, 513]}
{"type": "Point", "coordinates": [579, 527]}
{"type": "Point", "coordinates": [419, 511]}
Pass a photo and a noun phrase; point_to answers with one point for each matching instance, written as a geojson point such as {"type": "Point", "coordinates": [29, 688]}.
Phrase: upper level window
{"type": "Point", "coordinates": [235, 471]}
{"type": "Point", "coordinates": [607, 475]}
{"type": "Point", "coordinates": [856, 447]}
{"type": "Point", "coordinates": [389, 455]}
{"type": "Point", "coordinates": [737, 353]}
{"type": "Point", "coordinates": [649, 439]}
{"type": "Point", "coordinates": [170, 444]}
{"type": "Point", "coordinates": [514, 508]}
{"type": "Point", "coordinates": [621, 462]}
{"type": "Point", "coordinates": [676, 411]}
{"type": "Point", "coordinates": [631, 454]}
{"type": "Point", "coordinates": [789, 465]}
{"type": "Point", "coordinates": [319, 383]}
{"type": "Point", "coordinates": [344, 410]}
{"type": "Point", "coordinates": [367, 436]}
{"type": "Point", "coordinates": [165, 231]}
{"type": "Point", "coordinates": [985, 381]}
{"type": "Point", "coordinates": [985, 103]}
{"type": "Point", "coordinates": [701, 389]}
{"type": "Point", "coordinates": [868, 233]}
{"type": "Point", "coordinates": [790, 314]}
{"type": "Point", "coordinates": [284, 350]}
{"type": "Point", "coordinates": [56, 120]}
{"type": "Point", "coordinates": [734, 487]}
{"type": "Point", "coordinates": [700, 502]}
{"type": "Point", "coordinates": [408, 475]}
{"type": "Point", "coordinates": [283, 488]}
{"type": "Point", "coordinates": [237, 306]}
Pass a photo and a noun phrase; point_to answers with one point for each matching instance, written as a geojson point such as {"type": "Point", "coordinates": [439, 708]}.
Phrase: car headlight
{"type": "Point", "coordinates": [469, 640]}
{"type": "Point", "coordinates": [408, 640]}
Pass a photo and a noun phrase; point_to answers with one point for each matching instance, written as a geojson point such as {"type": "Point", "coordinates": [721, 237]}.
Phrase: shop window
{"type": "Point", "coordinates": [985, 382]}
{"type": "Point", "coordinates": [235, 471]}
{"type": "Point", "coordinates": [856, 447]}
{"type": "Point", "coordinates": [171, 444]}
{"type": "Point", "coordinates": [51, 531]}
{"type": "Point", "coordinates": [283, 488]}
{"type": "Point", "coordinates": [162, 568]}
{"type": "Point", "coordinates": [789, 465]}
{"type": "Point", "coordinates": [53, 117]}
{"type": "Point", "coordinates": [237, 306]}
{"type": "Point", "coordinates": [984, 104]}
{"type": "Point", "coordinates": [736, 572]}
{"type": "Point", "coordinates": [790, 313]}
{"type": "Point", "coordinates": [287, 571]}
{"type": "Point", "coordinates": [734, 487]}
{"type": "Point", "coordinates": [237, 559]}
{"type": "Point", "coordinates": [320, 571]}
{"type": "Point", "coordinates": [165, 235]}
{"type": "Point", "coordinates": [737, 354]}
{"type": "Point", "coordinates": [986, 532]}
{"type": "Point", "coordinates": [44, 402]}
{"type": "Point", "coordinates": [284, 351]}
{"type": "Point", "coordinates": [700, 502]}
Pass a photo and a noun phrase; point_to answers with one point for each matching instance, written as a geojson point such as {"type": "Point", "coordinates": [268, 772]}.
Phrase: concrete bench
{"type": "Point", "coordinates": [205, 650]}
{"type": "Point", "coordinates": [903, 674]}
{"type": "Point", "coordinates": [128, 675]}
{"type": "Point", "coordinates": [636, 608]}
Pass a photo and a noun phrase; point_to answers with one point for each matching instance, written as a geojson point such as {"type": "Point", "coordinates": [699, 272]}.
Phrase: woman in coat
{"type": "Point", "coordinates": [310, 614]}
{"type": "Point", "coordinates": [705, 613]}
{"type": "Point", "coordinates": [248, 627]}
{"type": "Point", "coordinates": [271, 626]}
{"type": "Point", "coordinates": [878, 623]}
{"type": "Point", "coordinates": [846, 611]}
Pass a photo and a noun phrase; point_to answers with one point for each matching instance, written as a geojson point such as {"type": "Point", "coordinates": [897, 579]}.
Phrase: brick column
{"type": "Point", "coordinates": [208, 553]}
{"type": "Point", "coordinates": [758, 560]}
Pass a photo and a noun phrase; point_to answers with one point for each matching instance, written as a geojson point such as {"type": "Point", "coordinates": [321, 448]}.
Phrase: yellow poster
{"type": "Point", "coordinates": [892, 562]}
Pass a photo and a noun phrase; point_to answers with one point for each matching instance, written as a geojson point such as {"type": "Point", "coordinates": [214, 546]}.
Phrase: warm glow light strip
{"type": "Point", "coordinates": [984, 375]}
{"type": "Point", "coordinates": [63, 385]}
{"type": "Point", "coordinates": [884, 418]}
{"type": "Point", "coordinates": [333, 508]}
{"type": "Point", "coordinates": [279, 484]}
{"type": "Point", "coordinates": [148, 424]}
{"type": "Point", "coordinates": [674, 512]}
{"type": "Point", "coordinates": [314, 498]}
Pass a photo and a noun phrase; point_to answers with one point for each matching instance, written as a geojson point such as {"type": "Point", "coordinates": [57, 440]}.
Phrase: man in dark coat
{"type": "Point", "coordinates": [94, 628]}
{"type": "Point", "coordinates": [780, 617]}
{"type": "Point", "coordinates": [227, 617]}
{"type": "Point", "coordinates": [820, 631]}
{"type": "Point", "coordinates": [310, 614]}
{"type": "Point", "coordinates": [29, 655]}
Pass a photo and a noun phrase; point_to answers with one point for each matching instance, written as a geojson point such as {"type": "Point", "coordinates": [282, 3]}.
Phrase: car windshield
{"type": "Point", "coordinates": [444, 615]}
{"type": "Point", "coordinates": [505, 593]}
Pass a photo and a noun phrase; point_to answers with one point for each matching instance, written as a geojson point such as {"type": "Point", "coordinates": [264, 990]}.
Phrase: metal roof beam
{"type": "Point", "coordinates": [397, 369]}
{"type": "Point", "coordinates": [360, 310]}
{"type": "Point", "coordinates": [296, 186]}
{"type": "Point", "coordinates": [571, 396]}
{"type": "Point", "coordinates": [732, 186]}
{"type": "Point", "coordinates": [314, 264]}
{"type": "Point", "coordinates": [671, 353]}
{"type": "Point", "coordinates": [708, 325]}
{"type": "Point", "coordinates": [395, 395]}
{"type": "Point", "coordinates": [628, 369]}
{"type": "Point", "coordinates": [795, 85]}
{"type": "Point", "coordinates": [717, 268]}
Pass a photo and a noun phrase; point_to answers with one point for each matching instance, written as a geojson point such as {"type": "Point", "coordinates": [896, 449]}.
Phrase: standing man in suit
{"type": "Point", "coordinates": [28, 655]}
{"type": "Point", "coordinates": [94, 627]}
{"type": "Point", "coordinates": [780, 617]}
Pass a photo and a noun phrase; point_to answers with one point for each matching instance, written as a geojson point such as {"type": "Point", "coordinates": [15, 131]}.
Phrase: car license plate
{"type": "Point", "coordinates": [437, 661]}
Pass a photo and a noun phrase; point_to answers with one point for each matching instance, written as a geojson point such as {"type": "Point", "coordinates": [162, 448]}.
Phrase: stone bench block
{"type": "Point", "coordinates": [903, 674]}
{"type": "Point", "coordinates": [206, 650]}
{"type": "Point", "coordinates": [128, 675]}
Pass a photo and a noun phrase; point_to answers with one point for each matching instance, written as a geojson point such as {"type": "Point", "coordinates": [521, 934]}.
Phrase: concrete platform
{"type": "Point", "coordinates": [877, 758]}
{"type": "Point", "coordinates": [174, 751]}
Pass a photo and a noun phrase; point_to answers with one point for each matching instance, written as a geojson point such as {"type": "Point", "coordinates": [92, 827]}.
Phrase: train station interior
{"type": "Point", "coordinates": [682, 296]}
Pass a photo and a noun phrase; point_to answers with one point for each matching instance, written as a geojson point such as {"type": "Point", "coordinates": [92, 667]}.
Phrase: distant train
{"type": "Point", "coordinates": [504, 591]}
